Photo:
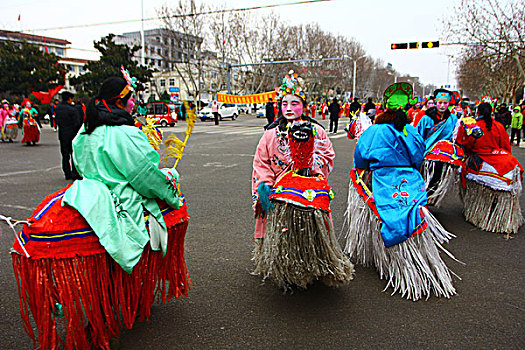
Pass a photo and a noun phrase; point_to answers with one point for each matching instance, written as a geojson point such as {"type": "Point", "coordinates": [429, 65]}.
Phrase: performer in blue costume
{"type": "Point", "coordinates": [442, 157]}
{"type": "Point", "coordinates": [387, 222]}
{"type": "Point", "coordinates": [438, 123]}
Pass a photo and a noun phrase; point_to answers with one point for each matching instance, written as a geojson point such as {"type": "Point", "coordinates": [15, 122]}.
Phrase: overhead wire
{"type": "Point", "coordinates": [202, 13]}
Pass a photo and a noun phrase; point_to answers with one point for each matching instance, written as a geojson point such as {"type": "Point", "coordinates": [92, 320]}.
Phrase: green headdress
{"type": "Point", "coordinates": [398, 95]}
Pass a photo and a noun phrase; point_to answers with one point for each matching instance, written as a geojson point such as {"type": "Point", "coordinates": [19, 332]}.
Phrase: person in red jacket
{"type": "Point", "coordinates": [313, 107]}
{"type": "Point", "coordinates": [491, 177]}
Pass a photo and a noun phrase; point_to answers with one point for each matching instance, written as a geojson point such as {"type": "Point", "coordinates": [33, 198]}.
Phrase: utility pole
{"type": "Point", "coordinates": [143, 50]}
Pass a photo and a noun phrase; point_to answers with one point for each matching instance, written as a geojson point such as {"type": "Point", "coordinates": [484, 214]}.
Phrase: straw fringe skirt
{"type": "Point", "coordinates": [446, 184]}
{"type": "Point", "coordinates": [414, 267]}
{"type": "Point", "coordinates": [299, 248]}
{"type": "Point", "coordinates": [491, 210]}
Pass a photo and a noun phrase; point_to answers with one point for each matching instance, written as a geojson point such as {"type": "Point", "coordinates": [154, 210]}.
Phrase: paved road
{"type": "Point", "coordinates": [229, 308]}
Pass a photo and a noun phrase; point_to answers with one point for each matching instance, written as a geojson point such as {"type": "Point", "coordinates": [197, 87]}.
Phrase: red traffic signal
{"type": "Point", "coordinates": [399, 46]}
{"type": "Point", "coordinates": [430, 44]}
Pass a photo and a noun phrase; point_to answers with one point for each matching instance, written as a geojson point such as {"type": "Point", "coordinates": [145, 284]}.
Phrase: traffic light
{"type": "Point", "coordinates": [430, 44]}
{"type": "Point", "coordinates": [399, 46]}
{"type": "Point", "coordinates": [413, 45]}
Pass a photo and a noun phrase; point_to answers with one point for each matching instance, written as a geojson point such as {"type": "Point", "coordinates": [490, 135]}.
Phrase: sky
{"type": "Point", "coordinates": [374, 23]}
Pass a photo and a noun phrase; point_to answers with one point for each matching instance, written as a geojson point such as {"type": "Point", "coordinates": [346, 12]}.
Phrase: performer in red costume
{"type": "Point", "coordinates": [491, 177]}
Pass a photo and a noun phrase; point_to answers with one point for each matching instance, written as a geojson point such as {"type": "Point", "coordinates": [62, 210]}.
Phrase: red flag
{"type": "Point", "coordinates": [18, 17]}
{"type": "Point", "coordinates": [46, 96]}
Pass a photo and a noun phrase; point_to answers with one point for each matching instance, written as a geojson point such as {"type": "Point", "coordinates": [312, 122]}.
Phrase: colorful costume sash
{"type": "Point", "coordinates": [447, 152]}
{"type": "Point", "coordinates": [58, 231]}
{"type": "Point", "coordinates": [308, 192]}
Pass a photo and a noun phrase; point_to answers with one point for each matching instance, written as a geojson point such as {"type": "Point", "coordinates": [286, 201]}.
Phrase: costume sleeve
{"type": "Point", "coordinates": [139, 162]}
{"type": "Point", "coordinates": [423, 126]}
{"type": "Point", "coordinates": [262, 170]}
{"type": "Point", "coordinates": [323, 153]}
{"type": "Point", "coordinates": [416, 147]}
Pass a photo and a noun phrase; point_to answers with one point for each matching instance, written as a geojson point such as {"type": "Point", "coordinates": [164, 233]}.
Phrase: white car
{"type": "Point", "coordinates": [226, 110]}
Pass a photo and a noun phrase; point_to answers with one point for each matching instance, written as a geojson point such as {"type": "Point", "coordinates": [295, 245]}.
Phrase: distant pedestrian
{"type": "Point", "coordinates": [28, 119]}
{"type": "Point", "coordinates": [69, 122]}
{"type": "Point", "coordinates": [313, 107]}
{"type": "Point", "coordinates": [215, 111]}
{"type": "Point", "coordinates": [503, 115]}
{"type": "Point", "coordinates": [4, 112]}
{"type": "Point", "coordinates": [334, 115]}
{"type": "Point", "coordinates": [270, 111]}
{"type": "Point", "coordinates": [141, 109]}
{"type": "Point", "coordinates": [11, 124]}
{"type": "Point", "coordinates": [369, 105]}
{"type": "Point", "coordinates": [51, 112]}
{"type": "Point", "coordinates": [516, 125]}
{"type": "Point", "coordinates": [324, 110]}
{"type": "Point", "coordinates": [355, 107]}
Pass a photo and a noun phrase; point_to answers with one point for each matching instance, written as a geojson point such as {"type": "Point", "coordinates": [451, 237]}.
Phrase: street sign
{"type": "Point", "coordinates": [174, 89]}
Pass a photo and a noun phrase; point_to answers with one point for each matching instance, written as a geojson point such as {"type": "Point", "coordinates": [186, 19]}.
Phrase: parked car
{"type": "Point", "coordinates": [243, 108]}
{"type": "Point", "coordinates": [163, 113]}
{"type": "Point", "coordinates": [226, 110]}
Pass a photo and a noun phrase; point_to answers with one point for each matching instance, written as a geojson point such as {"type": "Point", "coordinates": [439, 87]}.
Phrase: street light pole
{"type": "Point", "coordinates": [353, 79]}
{"type": "Point", "coordinates": [354, 76]}
{"type": "Point", "coordinates": [143, 51]}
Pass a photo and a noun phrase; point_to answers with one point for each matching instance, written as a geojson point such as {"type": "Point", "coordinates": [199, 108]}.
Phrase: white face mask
{"type": "Point", "coordinates": [292, 107]}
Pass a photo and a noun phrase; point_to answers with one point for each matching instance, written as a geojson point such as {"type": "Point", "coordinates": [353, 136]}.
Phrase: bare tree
{"type": "Point", "coordinates": [492, 33]}
{"type": "Point", "coordinates": [185, 26]}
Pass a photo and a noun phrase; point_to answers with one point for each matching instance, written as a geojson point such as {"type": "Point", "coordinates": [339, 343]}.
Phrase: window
{"type": "Point", "coordinates": [161, 109]}
{"type": "Point", "coordinates": [159, 51]}
{"type": "Point", "coordinates": [162, 82]}
{"type": "Point", "coordinates": [172, 81]}
{"type": "Point", "coordinates": [151, 109]}
{"type": "Point", "coordinates": [59, 51]}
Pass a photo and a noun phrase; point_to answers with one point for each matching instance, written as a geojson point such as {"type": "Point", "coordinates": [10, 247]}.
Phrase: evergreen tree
{"type": "Point", "coordinates": [26, 67]}
{"type": "Point", "coordinates": [112, 57]}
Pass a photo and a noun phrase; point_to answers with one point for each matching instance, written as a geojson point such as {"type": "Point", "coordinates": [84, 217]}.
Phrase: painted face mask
{"type": "Point", "coordinates": [442, 105]}
{"type": "Point", "coordinates": [292, 107]}
{"type": "Point", "coordinates": [129, 105]}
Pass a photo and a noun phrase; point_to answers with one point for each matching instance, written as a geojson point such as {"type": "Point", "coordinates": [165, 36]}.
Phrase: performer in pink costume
{"type": "Point", "coordinates": [273, 158]}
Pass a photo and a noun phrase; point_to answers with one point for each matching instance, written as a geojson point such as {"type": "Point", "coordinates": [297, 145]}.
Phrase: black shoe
{"type": "Point", "coordinates": [77, 177]}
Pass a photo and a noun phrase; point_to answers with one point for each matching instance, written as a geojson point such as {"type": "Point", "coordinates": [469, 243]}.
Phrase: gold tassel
{"type": "Point", "coordinates": [174, 147]}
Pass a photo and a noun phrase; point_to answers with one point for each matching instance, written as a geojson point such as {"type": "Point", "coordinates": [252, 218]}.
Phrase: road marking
{"type": "Point", "coordinates": [29, 171]}
{"type": "Point", "coordinates": [16, 207]}
{"type": "Point", "coordinates": [219, 165]}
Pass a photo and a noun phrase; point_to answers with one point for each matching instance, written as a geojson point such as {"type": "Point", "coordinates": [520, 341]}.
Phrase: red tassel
{"type": "Point", "coordinates": [96, 295]}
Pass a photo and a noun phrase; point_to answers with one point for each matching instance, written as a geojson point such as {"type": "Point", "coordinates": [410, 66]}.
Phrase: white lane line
{"type": "Point", "coordinates": [246, 132]}
{"type": "Point", "coordinates": [15, 207]}
{"type": "Point", "coordinates": [230, 131]}
{"type": "Point", "coordinates": [29, 171]}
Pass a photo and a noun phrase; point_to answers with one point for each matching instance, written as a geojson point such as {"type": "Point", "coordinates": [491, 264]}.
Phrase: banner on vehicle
{"type": "Point", "coordinates": [246, 99]}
